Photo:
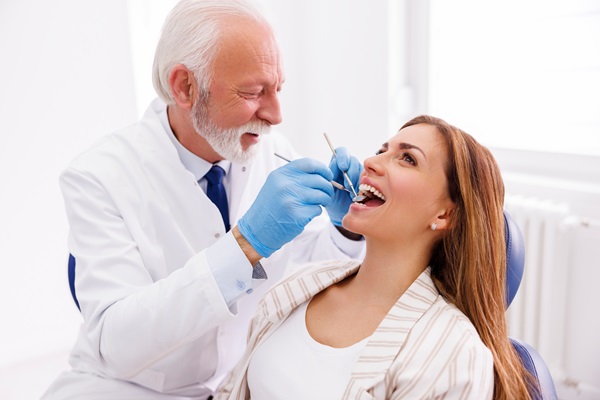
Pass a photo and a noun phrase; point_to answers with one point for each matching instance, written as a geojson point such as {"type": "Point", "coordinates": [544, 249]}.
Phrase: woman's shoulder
{"type": "Point", "coordinates": [445, 323]}
{"type": "Point", "coordinates": [302, 285]}
{"type": "Point", "coordinates": [328, 267]}
{"type": "Point", "coordinates": [442, 353]}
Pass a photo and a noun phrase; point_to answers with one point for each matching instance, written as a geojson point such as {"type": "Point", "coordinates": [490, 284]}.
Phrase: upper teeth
{"type": "Point", "coordinates": [370, 189]}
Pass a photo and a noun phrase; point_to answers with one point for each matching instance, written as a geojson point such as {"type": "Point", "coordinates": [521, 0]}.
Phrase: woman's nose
{"type": "Point", "coordinates": [373, 164]}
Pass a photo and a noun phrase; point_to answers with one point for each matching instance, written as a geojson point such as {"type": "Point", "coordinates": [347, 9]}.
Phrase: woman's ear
{"type": "Point", "coordinates": [183, 86]}
{"type": "Point", "coordinates": [443, 219]}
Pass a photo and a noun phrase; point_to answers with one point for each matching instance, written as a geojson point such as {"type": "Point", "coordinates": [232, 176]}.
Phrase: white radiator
{"type": "Point", "coordinates": [539, 305]}
{"type": "Point", "coordinates": [556, 307]}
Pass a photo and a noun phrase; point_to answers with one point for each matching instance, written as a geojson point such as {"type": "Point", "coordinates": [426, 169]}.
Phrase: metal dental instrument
{"type": "Point", "coordinates": [356, 197]}
{"type": "Point", "coordinates": [334, 183]}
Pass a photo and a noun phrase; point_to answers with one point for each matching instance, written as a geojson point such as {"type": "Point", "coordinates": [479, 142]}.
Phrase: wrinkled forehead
{"type": "Point", "coordinates": [240, 33]}
{"type": "Point", "coordinates": [246, 44]}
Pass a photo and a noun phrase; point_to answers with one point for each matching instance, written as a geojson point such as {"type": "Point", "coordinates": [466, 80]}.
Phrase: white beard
{"type": "Point", "coordinates": [226, 142]}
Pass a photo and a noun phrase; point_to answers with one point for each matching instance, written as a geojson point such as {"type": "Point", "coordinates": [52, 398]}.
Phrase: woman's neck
{"type": "Point", "coordinates": [389, 269]}
{"type": "Point", "coordinates": [352, 309]}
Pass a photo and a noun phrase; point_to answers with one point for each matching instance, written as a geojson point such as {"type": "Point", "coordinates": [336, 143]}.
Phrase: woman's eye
{"type": "Point", "coordinates": [408, 158]}
{"type": "Point", "coordinates": [378, 152]}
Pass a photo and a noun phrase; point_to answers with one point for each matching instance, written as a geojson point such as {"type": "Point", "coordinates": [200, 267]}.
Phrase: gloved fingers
{"type": "Point", "coordinates": [355, 170]}
{"type": "Point", "coordinates": [342, 158]}
{"type": "Point", "coordinates": [314, 211]}
{"type": "Point", "coordinates": [304, 196]}
{"type": "Point", "coordinates": [310, 166]}
{"type": "Point", "coordinates": [315, 197]}
{"type": "Point", "coordinates": [301, 212]}
{"type": "Point", "coordinates": [347, 163]}
{"type": "Point", "coordinates": [315, 182]}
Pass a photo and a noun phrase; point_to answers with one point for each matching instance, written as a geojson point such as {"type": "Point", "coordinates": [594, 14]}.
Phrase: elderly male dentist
{"type": "Point", "coordinates": [165, 287]}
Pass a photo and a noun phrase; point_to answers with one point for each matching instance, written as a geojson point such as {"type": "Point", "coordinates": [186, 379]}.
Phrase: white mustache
{"type": "Point", "coordinates": [255, 127]}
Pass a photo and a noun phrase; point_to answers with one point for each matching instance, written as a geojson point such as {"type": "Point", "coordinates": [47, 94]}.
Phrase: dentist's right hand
{"type": "Point", "coordinates": [290, 198]}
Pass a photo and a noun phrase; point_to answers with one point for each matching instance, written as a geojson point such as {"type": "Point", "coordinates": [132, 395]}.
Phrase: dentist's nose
{"type": "Point", "coordinates": [270, 109]}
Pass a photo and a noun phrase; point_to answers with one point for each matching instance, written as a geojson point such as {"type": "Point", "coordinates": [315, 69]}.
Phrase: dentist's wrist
{"type": "Point", "coordinates": [251, 254]}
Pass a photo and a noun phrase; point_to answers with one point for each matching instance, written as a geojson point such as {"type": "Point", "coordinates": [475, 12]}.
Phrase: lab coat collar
{"type": "Point", "coordinates": [196, 165]}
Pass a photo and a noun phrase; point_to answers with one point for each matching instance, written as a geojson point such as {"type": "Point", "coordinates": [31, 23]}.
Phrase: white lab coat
{"type": "Point", "coordinates": [153, 313]}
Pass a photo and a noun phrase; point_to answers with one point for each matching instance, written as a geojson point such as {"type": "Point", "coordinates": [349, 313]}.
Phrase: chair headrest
{"type": "Point", "coordinates": [515, 257]}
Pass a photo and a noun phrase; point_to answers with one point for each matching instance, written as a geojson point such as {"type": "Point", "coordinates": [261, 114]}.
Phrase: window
{"type": "Point", "coordinates": [518, 74]}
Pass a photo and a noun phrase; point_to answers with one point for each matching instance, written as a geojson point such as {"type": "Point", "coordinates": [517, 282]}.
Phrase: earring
{"type": "Point", "coordinates": [433, 226]}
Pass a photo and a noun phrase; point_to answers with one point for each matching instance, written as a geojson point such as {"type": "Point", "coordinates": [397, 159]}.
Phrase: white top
{"type": "Point", "coordinates": [317, 372]}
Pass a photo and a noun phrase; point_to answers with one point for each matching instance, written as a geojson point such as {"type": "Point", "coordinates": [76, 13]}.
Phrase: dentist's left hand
{"type": "Point", "coordinates": [290, 198]}
{"type": "Point", "coordinates": [343, 162]}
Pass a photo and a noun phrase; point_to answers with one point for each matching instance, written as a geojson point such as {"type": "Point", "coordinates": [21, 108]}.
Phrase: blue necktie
{"type": "Point", "coordinates": [216, 192]}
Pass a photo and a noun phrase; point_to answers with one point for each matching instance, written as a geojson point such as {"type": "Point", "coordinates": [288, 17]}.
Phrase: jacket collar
{"type": "Point", "coordinates": [304, 285]}
{"type": "Point", "coordinates": [387, 340]}
{"type": "Point", "coordinates": [376, 359]}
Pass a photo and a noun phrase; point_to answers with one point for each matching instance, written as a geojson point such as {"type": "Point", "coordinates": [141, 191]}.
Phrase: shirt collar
{"type": "Point", "coordinates": [196, 165]}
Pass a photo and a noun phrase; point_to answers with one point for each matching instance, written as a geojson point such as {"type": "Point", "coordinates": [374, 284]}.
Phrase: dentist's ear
{"type": "Point", "coordinates": [183, 86]}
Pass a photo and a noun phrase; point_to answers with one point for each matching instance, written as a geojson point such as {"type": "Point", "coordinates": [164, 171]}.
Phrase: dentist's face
{"type": "Point", "coordinates": [243, 98]}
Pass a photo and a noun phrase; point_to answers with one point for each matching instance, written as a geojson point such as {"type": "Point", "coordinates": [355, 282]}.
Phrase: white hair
{"type": "Point", "coordinates": [190, 36]}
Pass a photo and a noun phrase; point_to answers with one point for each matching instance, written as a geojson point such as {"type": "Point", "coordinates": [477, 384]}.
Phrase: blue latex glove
{"type": "Point", "coordinates": [338, 208]}
{"type": "Point", "coordinates": [290, 198]}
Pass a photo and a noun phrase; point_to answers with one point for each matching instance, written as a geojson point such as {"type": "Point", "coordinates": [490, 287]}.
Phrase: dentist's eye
{"type": "Point", "coordinates": [250, 95]}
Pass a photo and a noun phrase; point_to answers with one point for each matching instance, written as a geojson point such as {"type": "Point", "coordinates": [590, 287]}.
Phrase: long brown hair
{"type": "Point", "coordinates": [469, 262]}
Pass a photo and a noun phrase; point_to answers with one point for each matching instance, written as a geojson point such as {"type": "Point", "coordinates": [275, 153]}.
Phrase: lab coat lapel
{"type": "Point", "coordinates": [173, 185]}
{"type": "Point", "coordinates": [242, 194]}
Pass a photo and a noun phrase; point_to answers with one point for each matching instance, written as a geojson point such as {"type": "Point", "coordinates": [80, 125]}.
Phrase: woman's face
{"type": "Point", "coordinates": [406, 185]}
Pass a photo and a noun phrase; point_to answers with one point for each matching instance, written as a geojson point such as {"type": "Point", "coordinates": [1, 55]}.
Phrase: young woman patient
{"type": "Point", "coordinates": [422, 316]}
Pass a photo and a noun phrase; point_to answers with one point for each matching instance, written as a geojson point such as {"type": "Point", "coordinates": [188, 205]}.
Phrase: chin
{"type": "Point", "coordinates": [352, 226]}
{"type": "Point", "coordinates": [241, 156]}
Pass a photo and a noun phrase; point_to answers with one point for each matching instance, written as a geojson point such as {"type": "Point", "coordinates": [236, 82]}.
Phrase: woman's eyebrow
{"type": "Point", "coordinates": [408, 146]}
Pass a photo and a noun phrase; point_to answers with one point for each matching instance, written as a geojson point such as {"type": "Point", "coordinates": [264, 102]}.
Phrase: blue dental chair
{"type": "Point", "coordinates": [71, 274]}
{"type": "Point", "coordinates": [515, 261]}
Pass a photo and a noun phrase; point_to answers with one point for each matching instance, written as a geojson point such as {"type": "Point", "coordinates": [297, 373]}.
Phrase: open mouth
{"type": "Point", "coordinates": [372, 196]}
{"type": "Point", "coordinates": [251, 136]}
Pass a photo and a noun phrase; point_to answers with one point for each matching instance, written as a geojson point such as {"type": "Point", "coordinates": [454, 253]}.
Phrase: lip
{"type": "Point", "coordinates": [249, 139]}
{"type": "Point", "coordinates": [356, 207]}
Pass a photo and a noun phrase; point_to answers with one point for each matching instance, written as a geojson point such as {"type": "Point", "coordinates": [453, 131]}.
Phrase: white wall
{"type": "Point", "coordinates": [66, 79]}
{"type": "Point", "coordinates": [335, 58]}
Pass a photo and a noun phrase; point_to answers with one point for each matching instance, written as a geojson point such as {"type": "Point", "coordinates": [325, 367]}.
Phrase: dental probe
{"type": "Point", "coordinates": [334, 183]}
{"type": "Point", "coordinates": [356, 197]}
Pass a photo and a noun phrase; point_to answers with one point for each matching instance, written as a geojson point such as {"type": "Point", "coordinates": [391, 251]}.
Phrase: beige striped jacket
{"type": "Point", "coordinates": [425, 348]}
